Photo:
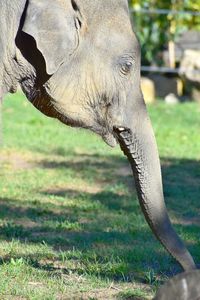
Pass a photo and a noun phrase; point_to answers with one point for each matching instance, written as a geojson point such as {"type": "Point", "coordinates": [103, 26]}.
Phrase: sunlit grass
{"type": "Point", "coordinates": [70, 223]}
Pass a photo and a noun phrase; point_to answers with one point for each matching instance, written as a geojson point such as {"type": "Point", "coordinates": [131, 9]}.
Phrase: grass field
{"type": "Point", "coordinates": [70, 223]}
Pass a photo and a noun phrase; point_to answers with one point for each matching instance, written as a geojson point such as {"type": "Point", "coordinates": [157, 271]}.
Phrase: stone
{"type": "Point", "coordinates": [187, 40]}
{"type": "Point", "coordinates": [171, 99]}
{"type": "Point", "coordinates": [164, 85]}
{"type": "Point", "coordinates": [148, 90]}
{"type": "Point", "coordinates": [190, 65]}
{"type": "Point", "coordinates": [196, 93]}
{"type": "Point", "coordinates": [190, 72]}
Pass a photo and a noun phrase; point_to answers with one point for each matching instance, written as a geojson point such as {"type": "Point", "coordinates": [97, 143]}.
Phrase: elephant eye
{"type": "Point", "coordinates": [126, 67]}
{"type": "Point", "coordinates": [78, 24]}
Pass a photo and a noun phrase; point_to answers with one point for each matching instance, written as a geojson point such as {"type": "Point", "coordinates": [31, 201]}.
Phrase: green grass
{"type": "Point", "coordinates": [70, 223]}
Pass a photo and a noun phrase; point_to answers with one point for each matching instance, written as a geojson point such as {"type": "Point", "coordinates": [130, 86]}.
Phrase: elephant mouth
{"type": "Point", "coordinates": [113, 138]}
{"type": "Point", "coordinates": [110, 139]}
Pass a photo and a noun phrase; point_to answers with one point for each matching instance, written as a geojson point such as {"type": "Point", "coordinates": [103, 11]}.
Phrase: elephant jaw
{"type": "Point", "coordinates": [110, 139]}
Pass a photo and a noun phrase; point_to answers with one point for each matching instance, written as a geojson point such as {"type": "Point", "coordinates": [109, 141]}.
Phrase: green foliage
{"type": "Point", "coordinates": [155, 31]}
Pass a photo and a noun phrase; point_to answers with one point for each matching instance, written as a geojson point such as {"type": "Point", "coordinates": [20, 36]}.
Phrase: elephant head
{"type": "Point", "coordinates": [83, 62]}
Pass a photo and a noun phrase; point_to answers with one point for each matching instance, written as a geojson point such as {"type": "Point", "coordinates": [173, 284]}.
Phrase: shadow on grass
{"type": "Point", "coordinates": [105, 225]}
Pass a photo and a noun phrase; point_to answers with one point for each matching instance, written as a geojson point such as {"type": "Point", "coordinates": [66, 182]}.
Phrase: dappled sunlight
{"type": "Point", "coordinates": [98, 214]}
{"type": "Point", "coordinates": [69, 208]}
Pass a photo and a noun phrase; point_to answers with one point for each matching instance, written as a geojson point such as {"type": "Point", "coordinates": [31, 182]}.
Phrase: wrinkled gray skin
{"type": "Point", "coordinates": [79, 61]}
{"type": "Point", "coordinates": [185, 286]}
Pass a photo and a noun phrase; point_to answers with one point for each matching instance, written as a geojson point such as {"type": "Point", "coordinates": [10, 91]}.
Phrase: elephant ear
{"type": "Point", "coordinates": [52, 24]}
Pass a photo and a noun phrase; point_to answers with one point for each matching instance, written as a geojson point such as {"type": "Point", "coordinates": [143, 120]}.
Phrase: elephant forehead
{"type": "Point", "coordinates": [113, 40]}
{"type": "Point", "coordinates": [103, 5]}
{"type": "Point", "coordinates": [98, 12]}
{"type": "Point", "coordinates": [110, 29]}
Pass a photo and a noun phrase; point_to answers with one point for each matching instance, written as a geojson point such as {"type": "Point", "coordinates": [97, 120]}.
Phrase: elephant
{"type": "Point", "coordinates": [79, 61]}
{"type": "Point", "coordinates": [184, 286]}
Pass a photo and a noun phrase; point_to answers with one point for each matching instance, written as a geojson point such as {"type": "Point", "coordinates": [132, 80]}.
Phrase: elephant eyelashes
{"type": "Point", "coordinates": [74, 5]}
{"type": "Point", "coordinates": [126, 68]}
{"type": "Point", "coordinates": [78, 24]}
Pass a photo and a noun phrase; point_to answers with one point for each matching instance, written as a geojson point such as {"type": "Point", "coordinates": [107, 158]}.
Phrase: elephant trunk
{"type": "Point", "coordinates": [139, 145]}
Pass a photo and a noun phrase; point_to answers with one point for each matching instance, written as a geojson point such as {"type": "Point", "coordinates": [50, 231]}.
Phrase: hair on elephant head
{"type": "Point", "coordinates": [79, 61]}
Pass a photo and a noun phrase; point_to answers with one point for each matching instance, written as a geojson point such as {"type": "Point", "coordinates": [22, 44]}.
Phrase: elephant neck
{"type": "Point", "coordinates": [11, 67]}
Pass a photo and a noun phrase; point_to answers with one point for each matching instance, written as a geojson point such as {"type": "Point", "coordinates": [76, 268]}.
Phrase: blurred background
{"type": "Point", "coordinates": [169, 34]}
